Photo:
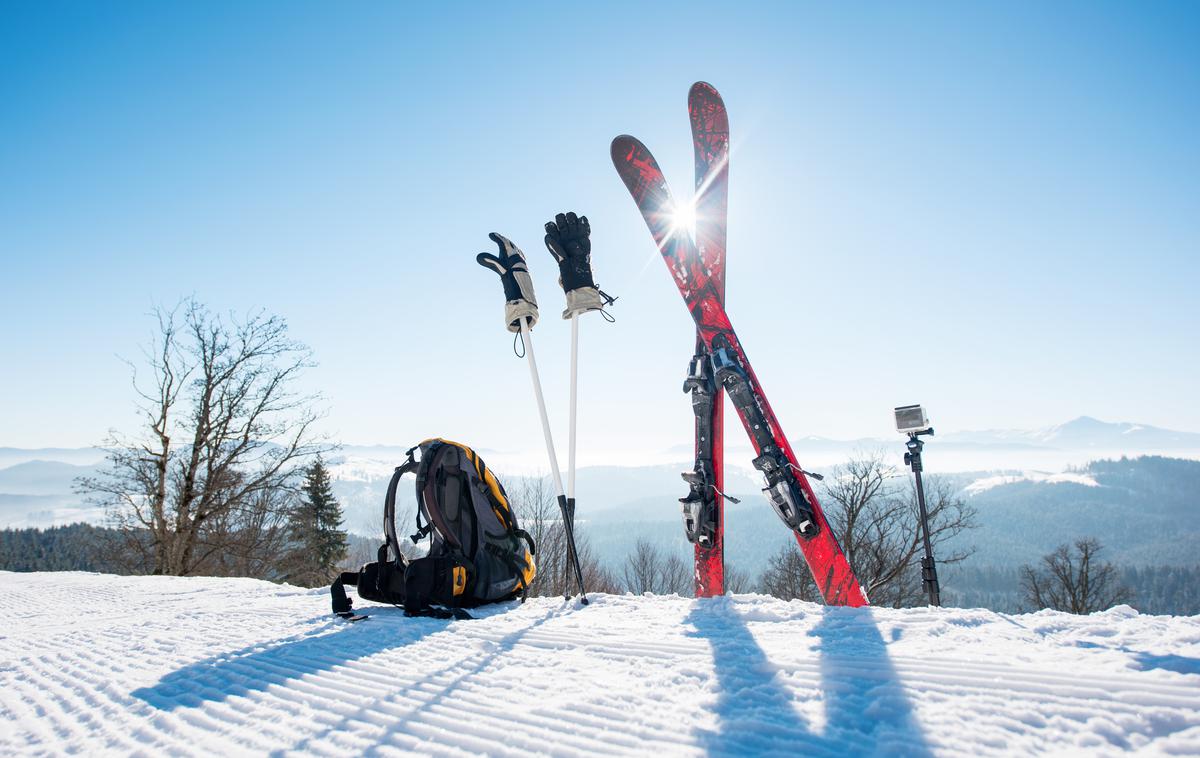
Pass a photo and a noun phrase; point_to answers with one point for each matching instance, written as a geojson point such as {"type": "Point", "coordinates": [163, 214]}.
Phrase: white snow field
{"type": "Point", "coordinates": [93, 664]}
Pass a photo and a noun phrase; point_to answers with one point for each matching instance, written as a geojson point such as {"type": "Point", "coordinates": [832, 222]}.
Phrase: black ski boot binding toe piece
{"type": "Point", "coordinates": [787, 498]}
{"type": "Point", "coordinates": [699, 522]}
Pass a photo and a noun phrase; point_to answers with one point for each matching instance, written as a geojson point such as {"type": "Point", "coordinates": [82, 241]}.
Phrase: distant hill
{"type": "Point", "coordinates": [1084, 433]}
{"type": "Point", "coordinates": [43, 477]}
{"type": "Point", "coordinates": [1143, 509]}
{"type": "Point", "coordinates": [40, 493]}
{"type": "Point", "coordinates": [79, 456]}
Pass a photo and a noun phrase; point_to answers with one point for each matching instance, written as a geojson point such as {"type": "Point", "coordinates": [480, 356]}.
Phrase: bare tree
{"type": "Point", "coordinates": [677, 577]}
{"type": "Point", "coordinates": [202, 487]}
{"type": "Point", "coordinates": [787, 576]}
{"type": "Point", "coordinates": [650, 569]}
{"type": "Point", "coordinates": [538, 513]}
{"type": "Point", "coordinates": [642, 568]}
{"type": "Point", "coordinates": [640, 572]}
{"type": "Point", "coordinates": [736, 580]}
{"type": "Point", "coordinates": [1075, 582]}
{"type": "Point", "coordinates": [873, 510]}
{"type": "Point", "coordinates": [596, 576]}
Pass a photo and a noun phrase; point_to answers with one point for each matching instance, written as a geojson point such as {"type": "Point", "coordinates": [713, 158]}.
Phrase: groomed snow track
{"type": "Point", "coordinates": [93, 664]}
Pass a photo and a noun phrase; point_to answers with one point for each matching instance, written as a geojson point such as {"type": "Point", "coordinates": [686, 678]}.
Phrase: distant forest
{"type": "Point", "coordinates": [1173, 590]}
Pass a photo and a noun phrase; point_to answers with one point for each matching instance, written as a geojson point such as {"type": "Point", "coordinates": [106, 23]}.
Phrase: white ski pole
{"type": "Point", "coordinates": [527, 338]}
{"type": "Point", "coordinates": [568, 524]}
{"type": "Point", "coordinates": [574, 406]}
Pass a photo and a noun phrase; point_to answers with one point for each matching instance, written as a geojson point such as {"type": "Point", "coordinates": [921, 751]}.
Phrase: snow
{"type": "Point", "coordinates": [96, 664]}
{"type": "Point", "coordinates": [1066, 477]}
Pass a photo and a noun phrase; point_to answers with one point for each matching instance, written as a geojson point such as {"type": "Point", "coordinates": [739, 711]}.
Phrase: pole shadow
{"type": "Point", "coordinates": [867, 711]}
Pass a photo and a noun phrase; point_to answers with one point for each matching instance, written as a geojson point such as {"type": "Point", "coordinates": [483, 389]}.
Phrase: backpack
{"type": "Point", "coordinates": [477, 552]}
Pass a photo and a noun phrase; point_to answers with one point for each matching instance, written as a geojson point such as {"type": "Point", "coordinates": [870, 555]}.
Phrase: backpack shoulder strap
{"type": "Point", "coordinates": [389, 503]}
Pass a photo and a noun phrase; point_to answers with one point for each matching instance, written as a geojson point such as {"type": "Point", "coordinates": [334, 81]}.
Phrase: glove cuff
{"type": "Point", "coordinates": [516, 310]}
{"type": "Point", "coordinates": [583, 300]}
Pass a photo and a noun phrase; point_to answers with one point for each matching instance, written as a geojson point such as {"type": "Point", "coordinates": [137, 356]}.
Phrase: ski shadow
{"type": "Point", "coordinates": [866, 709]}
{"type": "Point", "coordinates": [257, 667]}
{"type": "Point", "coordinates": [1180, 664]}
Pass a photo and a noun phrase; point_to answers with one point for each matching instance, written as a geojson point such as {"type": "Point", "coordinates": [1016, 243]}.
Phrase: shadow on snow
{"type": "Point", "coordinates": [866, 708]}
{"type": "Point", "coordinates": [257, 667]}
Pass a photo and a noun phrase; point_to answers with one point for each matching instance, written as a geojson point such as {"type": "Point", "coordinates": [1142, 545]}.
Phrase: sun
{"type": "Point", "coordinates": [683, 218]}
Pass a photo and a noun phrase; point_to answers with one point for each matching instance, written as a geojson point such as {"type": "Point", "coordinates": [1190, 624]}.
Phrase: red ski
{"type": "Point", "coordinates": [787, 489]}
{"type": "Point", "coordinates": [703, 508]}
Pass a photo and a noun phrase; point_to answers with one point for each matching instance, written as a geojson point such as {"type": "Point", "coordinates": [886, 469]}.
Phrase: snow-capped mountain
{"type": "Point", "coordinates": [1084, 433]}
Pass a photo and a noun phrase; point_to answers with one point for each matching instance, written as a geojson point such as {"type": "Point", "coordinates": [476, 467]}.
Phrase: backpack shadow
{"type": "Point", "coordinates": [257, 667]}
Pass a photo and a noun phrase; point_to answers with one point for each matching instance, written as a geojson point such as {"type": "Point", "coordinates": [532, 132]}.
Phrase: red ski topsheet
{"type": "Point", "coordinates": [710, 138]}
{"type": "Point", "coordinates": [701, 291]}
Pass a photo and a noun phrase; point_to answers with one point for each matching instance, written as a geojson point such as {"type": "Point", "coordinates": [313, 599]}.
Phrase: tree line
{"type": "Point", "coordinates": [1171, 590]}
{"type": "Point", "coordinates": [224, 476]}
{"type": "Point", "coordinates": [309, 547]}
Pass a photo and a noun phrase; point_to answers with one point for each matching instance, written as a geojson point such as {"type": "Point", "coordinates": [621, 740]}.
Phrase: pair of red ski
{"type": "Point", "coordinates": [698, 267]}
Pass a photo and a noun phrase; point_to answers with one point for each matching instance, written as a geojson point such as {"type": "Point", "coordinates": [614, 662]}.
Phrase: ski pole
{"type": "Point", "coordinates": [574, 405]}
{"type": "Point", "coordinates": [563, 502]}
{"type": "Point", "coordinates": [520, 314]}
{"type": "Point", "coordinates": [568, 238]}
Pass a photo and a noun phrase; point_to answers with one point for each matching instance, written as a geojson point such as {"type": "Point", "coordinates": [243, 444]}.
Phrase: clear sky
{"type": "Point", "coordinates": [991, 209]}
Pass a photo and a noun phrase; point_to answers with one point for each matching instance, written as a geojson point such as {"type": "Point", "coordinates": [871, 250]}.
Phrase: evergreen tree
{"type": "Point", "coordinates": [319, 544]}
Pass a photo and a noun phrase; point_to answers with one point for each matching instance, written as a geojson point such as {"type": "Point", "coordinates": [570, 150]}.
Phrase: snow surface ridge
{"type": "Point", "coordinates": [98, 664]}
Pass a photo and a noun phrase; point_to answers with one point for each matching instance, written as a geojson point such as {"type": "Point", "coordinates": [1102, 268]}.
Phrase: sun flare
{"type": "Point", "coordinates": [683, 218]}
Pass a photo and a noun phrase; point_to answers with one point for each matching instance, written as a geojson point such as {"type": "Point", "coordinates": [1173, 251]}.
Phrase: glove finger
{"type": "Point", "coordinates": [551, 229]}
{"type": "Point", "coordinates": [507, 248]}
{"type": "Point", "coordinates": [561, 221]}
{"type": "Point", "coordinates": [572, 224]}
{"type": "Point", "coordinates": [553, 244]}
{"type": "Point", "coordinates": [487, 260]}
{"type": "Point", "coordinates": [585, 228]}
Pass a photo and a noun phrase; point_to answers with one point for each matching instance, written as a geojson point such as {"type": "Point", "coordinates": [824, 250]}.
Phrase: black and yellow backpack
{"type": "Point", "coordinates": [477, 552]}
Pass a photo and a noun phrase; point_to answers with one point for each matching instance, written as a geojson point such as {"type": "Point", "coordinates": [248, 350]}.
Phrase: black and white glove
{"type": "Point", "coordinates": [519, 300]}
{"type": "Point", "coordinates": [568, 238]}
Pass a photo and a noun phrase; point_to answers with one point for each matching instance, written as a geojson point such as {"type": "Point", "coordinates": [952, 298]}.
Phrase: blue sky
{"type": "Point", "coordinates": [992, 209]}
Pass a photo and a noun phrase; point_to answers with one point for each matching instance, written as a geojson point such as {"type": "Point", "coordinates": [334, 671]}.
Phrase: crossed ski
{"type": "Point", "coordinates": [703, 507]}
{"type": "Point", "coordinates": [702, 288]}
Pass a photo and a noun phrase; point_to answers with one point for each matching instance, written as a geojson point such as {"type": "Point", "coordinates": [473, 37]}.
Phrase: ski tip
{"type": "Point", "coordinates": [703, 90]}
{"type": "Point", "coordinates": [621, 141]}
{"type": "Point", "coordinates": [623, 148]}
